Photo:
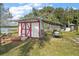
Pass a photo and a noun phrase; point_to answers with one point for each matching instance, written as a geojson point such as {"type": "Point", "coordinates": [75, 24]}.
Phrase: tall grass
{"type": "Point", "coordinates": [46, 46]}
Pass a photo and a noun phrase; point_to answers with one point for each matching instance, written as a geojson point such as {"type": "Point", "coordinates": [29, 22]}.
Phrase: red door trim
{"type": "Point", "coordinates": [21, 29]}
{"type": "Point", "coordinates": [30, 30]}
{"type": "Point", "coordinates": [25, 29]}
{"type": "Point", "coordinates": [18, 29]}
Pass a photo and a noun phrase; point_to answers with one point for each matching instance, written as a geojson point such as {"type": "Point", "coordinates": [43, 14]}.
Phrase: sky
{"type": "Point", "coordinates": [20, 9]}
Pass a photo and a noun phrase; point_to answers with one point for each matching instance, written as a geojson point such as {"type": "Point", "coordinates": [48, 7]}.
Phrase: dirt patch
{"type": "Point", "coordinates": [5, 39]}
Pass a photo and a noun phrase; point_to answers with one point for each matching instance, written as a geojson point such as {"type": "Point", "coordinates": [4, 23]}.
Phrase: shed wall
{"type": "Point", "coordinates": [51, 27]}
{"type": "Point", "coordinates": [29, 29]}
{"type": "Point", "coordinates": [19, 30]}
{"type": "Point", "coordinates": [35, 29]}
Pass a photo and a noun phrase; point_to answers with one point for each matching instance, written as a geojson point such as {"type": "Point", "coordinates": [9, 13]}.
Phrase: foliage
{"type": "Point", "coordinates": [4, 15]}
{"type": "Point", "coordinates": [64, 16]}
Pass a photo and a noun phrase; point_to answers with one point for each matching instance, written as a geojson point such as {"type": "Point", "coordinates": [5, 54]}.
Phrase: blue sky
{"type": "Point", "coordinates": [64, 5]}
{"type": "Point", "coordinates": [20, 9]}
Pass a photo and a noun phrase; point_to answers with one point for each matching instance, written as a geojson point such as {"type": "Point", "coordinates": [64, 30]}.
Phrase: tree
{"type": "Point", "coordinates": [4, 15]}
{"type": "Point", "coordinates": [1, 12]}
{"type": "Point", "coordinates": [59, 13]}
{"type": "Point", "coordinates": [75, 21]}
{"type": "Point", "coordinates": [48, 9]}
{"type": "Point", "coordinates": [64, 16]}
{"type": "Point", "coordinates": [35, 12]}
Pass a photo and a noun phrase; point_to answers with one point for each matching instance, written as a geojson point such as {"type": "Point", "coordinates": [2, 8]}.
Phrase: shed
{"type": "Point", "coordinates": [30, 28]}
{"type": "Point", "coordinates": [72, 27]}
{"type": "Point", "coordinates": [50, 25]}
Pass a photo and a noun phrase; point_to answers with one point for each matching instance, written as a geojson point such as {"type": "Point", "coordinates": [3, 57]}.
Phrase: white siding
{"type": "Point", "coordinates": [35, 30]}
{"type": "Point", "coordinates": [19, 29]}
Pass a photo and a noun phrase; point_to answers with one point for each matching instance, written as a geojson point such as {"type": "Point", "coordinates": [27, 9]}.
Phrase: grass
{"type": "Point", "coordinates": [64, 47]}
{"type": "Point", "coordinates": [7, 47]}
{"type": "Point", "coordinates": [17, 48]}
{"type": "Point", "coordinates": [47, 46]}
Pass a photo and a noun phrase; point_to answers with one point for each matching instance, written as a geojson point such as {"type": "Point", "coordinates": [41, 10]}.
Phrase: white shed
{"type": "Point", "coordinates": [30, 28]}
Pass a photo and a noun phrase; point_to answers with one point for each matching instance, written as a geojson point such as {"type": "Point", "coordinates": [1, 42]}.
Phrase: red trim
{"type": "Point", "coordinates": [39, 28]}
{"type": "Point", "coordinates": [18, 29]}
{"type": "Point", "coordinates": [30, 30]}
{"type": "Point", "coordinates": [21, 29]}
{"type": "Point", "coordinates": [25, 29]}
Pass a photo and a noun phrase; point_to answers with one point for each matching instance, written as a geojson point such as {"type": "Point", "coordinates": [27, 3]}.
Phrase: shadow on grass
{"type": "Point", "coordinates": [44, 40]}
{"type": "Point", "coordinates": [8, 47]}
{"type": "Point", "coordinates": [26, 48]}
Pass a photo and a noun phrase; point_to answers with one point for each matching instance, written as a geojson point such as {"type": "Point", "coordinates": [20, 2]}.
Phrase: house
{"type": "Point", "coordinates": [30, 28]}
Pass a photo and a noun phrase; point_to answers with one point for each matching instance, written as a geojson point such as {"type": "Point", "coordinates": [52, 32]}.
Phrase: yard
{"type": "Point", "coordinates": [48, 46]}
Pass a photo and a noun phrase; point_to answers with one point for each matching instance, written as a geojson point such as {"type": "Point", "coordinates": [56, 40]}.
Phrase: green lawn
{"type": "Point", "coordinates": [56, 47]}
{"type": "Point", "coordinates": [48, 46]}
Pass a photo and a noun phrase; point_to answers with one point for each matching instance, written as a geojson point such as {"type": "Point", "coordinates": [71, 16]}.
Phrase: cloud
{"type": "Point", "coordinates": [16, 17]}
{"type": "Point", "coordinates": [37, 4]}
{"type": "Point", "coordinates": [40, 8]}
{"type": "Point", "coordinates": [22, 10]}
{"type": "Point", "coordinates": [74, 8]}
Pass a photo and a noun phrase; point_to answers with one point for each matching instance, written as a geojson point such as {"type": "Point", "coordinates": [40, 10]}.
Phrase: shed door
{"type": "Point", "coordinates": [22, 29]}
{"type": "Point", "coordinates": [35, 29]}
{"type": "Point", "coordinates": [28, 29]}
{"type": "Point", "coordinates": [25, 29]}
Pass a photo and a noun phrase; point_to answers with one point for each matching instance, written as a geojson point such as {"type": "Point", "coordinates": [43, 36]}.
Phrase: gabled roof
{"type": "Point", "coordinates": [29, 20]}
{"type": "Point", "coordinates": [52, 23]}
{"type": "Point", "coordinates": [35, 19]}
